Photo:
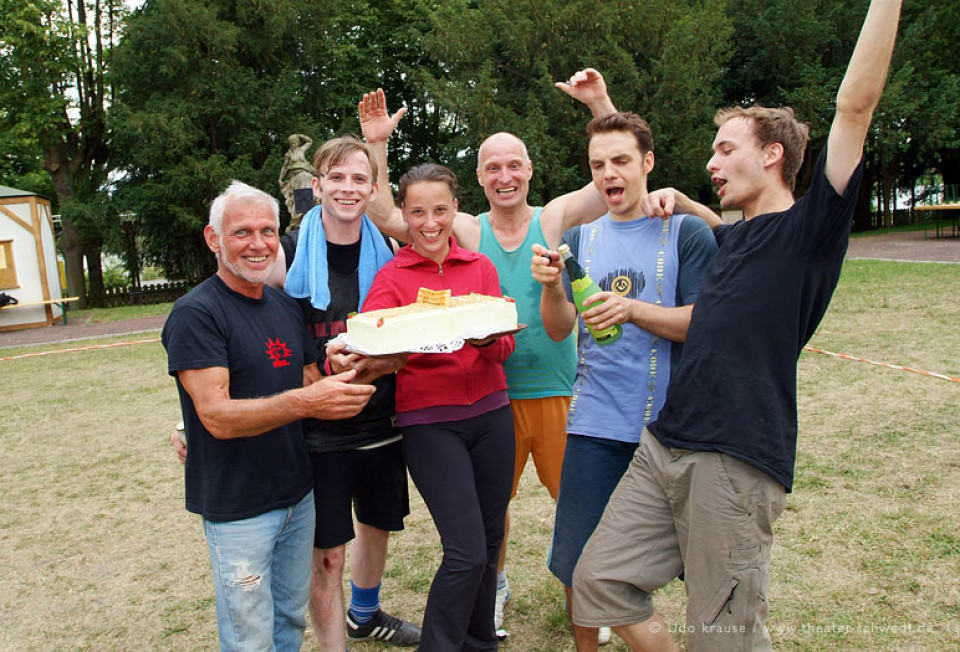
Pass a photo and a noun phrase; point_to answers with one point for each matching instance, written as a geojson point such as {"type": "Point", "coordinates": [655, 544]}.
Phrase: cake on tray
{"type": "Point", "coordinates": [436, 322]}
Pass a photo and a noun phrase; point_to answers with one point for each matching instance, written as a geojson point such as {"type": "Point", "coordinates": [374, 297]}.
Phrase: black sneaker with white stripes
{"type": "Point", "coordinates": [386, 628]}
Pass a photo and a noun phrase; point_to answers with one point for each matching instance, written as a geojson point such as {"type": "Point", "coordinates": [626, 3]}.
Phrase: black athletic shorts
{"type": "Point", "coordinates": [373, 481]}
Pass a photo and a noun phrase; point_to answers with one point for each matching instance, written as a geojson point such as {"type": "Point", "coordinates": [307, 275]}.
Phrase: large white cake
{"type": "Point", "coordinates": [426, 325]}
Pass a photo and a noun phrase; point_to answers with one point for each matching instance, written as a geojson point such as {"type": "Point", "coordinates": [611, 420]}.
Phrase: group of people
{"type": "Point", "coordinates": [669, 452]}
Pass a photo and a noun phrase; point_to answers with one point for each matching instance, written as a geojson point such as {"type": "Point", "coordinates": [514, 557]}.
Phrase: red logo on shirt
{"type": "Point", "coordinates": [278, 351]}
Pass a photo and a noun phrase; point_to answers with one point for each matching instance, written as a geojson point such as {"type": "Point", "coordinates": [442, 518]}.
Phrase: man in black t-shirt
{"type": "Point", "coordinates": [710, 476]}
{"type": "Point", "coordinates": [357, 462]}
{"type": "Point", "coordinates": [246, 374]}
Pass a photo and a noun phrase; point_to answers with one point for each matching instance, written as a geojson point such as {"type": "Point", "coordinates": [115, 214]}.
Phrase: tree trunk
{"type": "Point", "coordinates": [95, 269]}
{"type": "Point", "coordinates": [862, 217]}
{"type": "Point", "coordinates": [131, 256]}
{"type": "Point", "coordinates": [913, 200]}
{"type": "Point", "coordinates": [71, 240]}
{"type": "Point", "coordinates": [950, 166]}
{"type": "Point", "coordinates": [888, 194]}
{"type": "Point", "coordinates": [72, 247]}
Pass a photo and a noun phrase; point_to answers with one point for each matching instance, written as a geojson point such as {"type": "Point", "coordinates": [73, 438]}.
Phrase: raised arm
{"type": "Point", "coordinates": [570, 210]}
{"type": "Point", "coordinates": [588, 87]}
{"type": "Point", "coordinates": [584, 205]}
{"type": "Point", "coordinates": [860, 91]}
{"type": "Point", "coordinates": [377, 125]}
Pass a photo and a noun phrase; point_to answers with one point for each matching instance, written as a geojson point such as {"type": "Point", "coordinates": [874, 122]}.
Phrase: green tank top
{"type": "Point", "coordinates": [539, 366]}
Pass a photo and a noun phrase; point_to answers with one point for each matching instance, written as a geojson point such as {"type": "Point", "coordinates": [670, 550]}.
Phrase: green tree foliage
{"type": "Point", "coordinates": [498, 61]}
{"type": "Point", "coordinates": [54, 93]}
{"type": "Point", "coordinates": [207, 92]}
{"type": "Point", "coordinates": [795, 54]}
{"type": "Point", "coordinates": [21, 164]}
{"type": "Point", "coordinates": [926, 70]}
{"type": "Point", "coordinates": [915, 129]}
{"type": "Point", "coordinates": [210, 90]}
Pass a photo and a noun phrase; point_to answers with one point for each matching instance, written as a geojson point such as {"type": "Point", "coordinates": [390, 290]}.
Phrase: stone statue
{"type": "Point", "coordinates": [296, 177]}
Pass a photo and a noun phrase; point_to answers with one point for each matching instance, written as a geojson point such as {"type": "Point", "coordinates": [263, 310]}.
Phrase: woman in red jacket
{"type": "Point", "coordinates": [453, 407]}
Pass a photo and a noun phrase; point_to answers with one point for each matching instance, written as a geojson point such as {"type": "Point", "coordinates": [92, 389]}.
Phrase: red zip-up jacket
{"type": "Point", "coordinates": [432, 379]}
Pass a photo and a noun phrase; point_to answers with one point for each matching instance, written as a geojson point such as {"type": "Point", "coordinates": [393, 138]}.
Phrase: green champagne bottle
{"type": "Point", "coordinates": [584, 287]}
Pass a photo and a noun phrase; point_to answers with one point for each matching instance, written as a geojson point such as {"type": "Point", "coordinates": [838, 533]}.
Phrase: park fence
{"type": "Point", "coordinates": [141, 296]}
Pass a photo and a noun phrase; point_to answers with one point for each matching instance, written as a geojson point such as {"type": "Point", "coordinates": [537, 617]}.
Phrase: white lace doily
{"type": "Point", "coordinates": [449, 346]}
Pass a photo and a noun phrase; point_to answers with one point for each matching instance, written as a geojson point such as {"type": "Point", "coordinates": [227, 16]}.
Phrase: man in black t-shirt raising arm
{"type": "Point", "coordinates": [246, 374]}
{"type": "Point", "coordinates": [710, 476]}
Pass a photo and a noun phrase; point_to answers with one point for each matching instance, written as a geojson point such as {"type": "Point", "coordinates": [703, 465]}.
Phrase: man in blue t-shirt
{"type": "Point", "coordinates": [650, 271]}
{"type": "Point", "coordinates": [710, 475]}
{"type": "Point", "coordinates": [246, 374]}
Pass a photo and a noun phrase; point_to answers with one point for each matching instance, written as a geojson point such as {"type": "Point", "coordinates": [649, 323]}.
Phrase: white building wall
{"type": "Point", "coordinates": [30, 254]}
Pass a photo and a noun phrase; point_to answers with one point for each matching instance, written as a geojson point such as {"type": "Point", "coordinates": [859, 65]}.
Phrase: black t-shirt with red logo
{"type": "Point", "coordinates": [264, 345]}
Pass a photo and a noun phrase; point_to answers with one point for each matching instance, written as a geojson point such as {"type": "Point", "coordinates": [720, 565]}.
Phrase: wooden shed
{"type": "Point", "coordinates": [28, 260]}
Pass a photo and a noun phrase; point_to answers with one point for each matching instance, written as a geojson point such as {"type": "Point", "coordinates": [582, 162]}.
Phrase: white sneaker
{"type": "Point", "coordinates": [503, 597]}
{"type": "Point", "coordinates": [604, 635]}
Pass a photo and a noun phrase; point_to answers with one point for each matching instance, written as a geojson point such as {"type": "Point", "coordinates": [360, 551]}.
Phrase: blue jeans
{"type": "Point", "coordinates": [592, 468]}
{"type": "Point", "coordinates": [261, 574]}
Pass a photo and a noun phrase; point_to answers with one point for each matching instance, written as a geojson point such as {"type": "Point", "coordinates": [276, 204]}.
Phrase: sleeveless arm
{"type": "Point", "coordinates": [860, 91]}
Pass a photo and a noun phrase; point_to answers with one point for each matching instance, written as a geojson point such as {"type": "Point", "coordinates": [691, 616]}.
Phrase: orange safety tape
{"type": "Point", "coordinates": [82, 348]}
{"type": "Point", "coordinates": [845, 356]}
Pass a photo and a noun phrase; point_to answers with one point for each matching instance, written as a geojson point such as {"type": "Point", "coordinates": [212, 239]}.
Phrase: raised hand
{"type": "Point", "coordinates": [588, 86]}
{"type": "Point", "coordinates": [376, 123]}
{"type": "Point", "coordinates": [665, 202]}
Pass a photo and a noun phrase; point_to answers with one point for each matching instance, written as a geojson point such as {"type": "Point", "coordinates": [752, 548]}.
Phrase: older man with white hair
{"type": "Point", "coordinates": [246, 374]}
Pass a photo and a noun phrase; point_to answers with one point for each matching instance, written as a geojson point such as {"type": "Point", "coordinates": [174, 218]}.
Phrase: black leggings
{"type": "Point", "coordinates": [464, 471]}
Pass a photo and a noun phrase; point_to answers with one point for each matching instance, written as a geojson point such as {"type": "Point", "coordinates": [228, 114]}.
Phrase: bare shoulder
{"type": "Point", "coordinates": [466, 230]}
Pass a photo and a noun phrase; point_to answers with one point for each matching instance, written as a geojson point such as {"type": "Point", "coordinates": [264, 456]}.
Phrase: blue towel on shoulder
{"type": "Point", "coordinates": [307, 276]}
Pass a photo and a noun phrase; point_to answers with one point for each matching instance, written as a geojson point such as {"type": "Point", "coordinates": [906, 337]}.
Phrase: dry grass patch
{"type": "Point", "coordinates": [99, 553]}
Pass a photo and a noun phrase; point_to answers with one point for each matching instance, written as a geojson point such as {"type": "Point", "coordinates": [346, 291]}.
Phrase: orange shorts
{"type": "Point", "coordinates": [541, 431]}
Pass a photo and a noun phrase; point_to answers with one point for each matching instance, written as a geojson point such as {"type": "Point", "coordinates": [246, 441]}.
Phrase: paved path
{"type": "Point", "coordinates": [907, 246]}
{"type": "Point", "coordinates": [73, 332]}
{"type": "Point", "coordinates": [903, 245]}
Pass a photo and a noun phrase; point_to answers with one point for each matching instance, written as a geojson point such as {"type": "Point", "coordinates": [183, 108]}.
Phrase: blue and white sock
{"type": "Point", "coordinates": [364, 603]}
{"type": "Point", "coordinates": [502, 583]}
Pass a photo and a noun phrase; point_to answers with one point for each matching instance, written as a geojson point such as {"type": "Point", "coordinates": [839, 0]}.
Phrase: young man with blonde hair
{"type": "Point", "coordinates": [358, 468]}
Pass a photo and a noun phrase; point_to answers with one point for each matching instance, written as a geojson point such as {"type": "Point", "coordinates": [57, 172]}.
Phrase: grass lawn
{"type": "Point", "coordinates": [920, 225]}
{"type": "Point", "coordinates": [105, 315]}
{"type": "Point", "coordinates": [99, 553]}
